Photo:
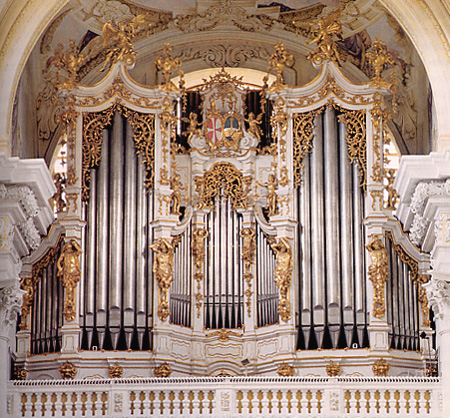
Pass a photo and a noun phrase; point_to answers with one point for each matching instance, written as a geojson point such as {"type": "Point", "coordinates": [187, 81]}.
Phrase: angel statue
{"type": "Point", "coordinates": [253, 123]}
{"type": "Point", "coordinates": [193, 128]}
{"type": "Point", "coordinates": [118, 41]}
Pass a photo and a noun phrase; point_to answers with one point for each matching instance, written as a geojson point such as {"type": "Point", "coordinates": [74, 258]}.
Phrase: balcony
{"type": "Point", "coordinates": [328, 397]}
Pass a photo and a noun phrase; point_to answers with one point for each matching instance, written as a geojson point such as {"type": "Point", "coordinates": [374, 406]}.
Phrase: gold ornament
{"type": "Point", "coordinates": [167, 64]}
{"type": "Point", "coordinates": [253, 123]}
{"type": "Point", "coordinates": [248, 257]}
{"type": "Point", "coordinates": [381, 368]}
{"type": "Point", "coordinates": [423, 300]}
{"type": "Point", "coordinates": [355, 122]}
{"type": "Point", "coordinates": [224, 334]}
{"type": "Point", "coordinates": [285, 370]}
{"type": "Point", "coordinates": [303, 124]}
{"type": "Point", "coordinates": [163, 371]}
{"type": "Point", "coordinates": [272, 197]}
{"type": "Point", "coordinates": [279, 59]}
{"type": "Point", "coordinates": [60, 183]}
{"type": "Point", "coordinates": [175, 198]}
{"type": "Point", "coordinates": [323, 35]}
{"type": "Point", "coordinates": [70, 61]}
{"type": "Point", "coordinates": [116, 371]}
{"type": "Point", "coordinates": [198, 251]}
{"type": "Point", "coordinates": [117, 41]}
{"type": "Point", "coordinates": [20, 373]}
{"type": "Point", "coordinates": [69, 273]}
{"type": "Point", "coordinates": [379, 57]}
{"type": "Point", "coordinates": [283, 274]}
{"type": "Point", "coordinates": [392, 193]}
{"type": "Point", "coordinates": [333, 369]}
{"type": "Point", "coordinates": [222, 179]}
{"type": "Point", "coordinates": [68, 370]}
{"type": "Point", "coordinates": [163, 273]}
{"type": "Point", "coordinates": [193, 128]}
{"type": "Point", "coordinates": [378, 275]}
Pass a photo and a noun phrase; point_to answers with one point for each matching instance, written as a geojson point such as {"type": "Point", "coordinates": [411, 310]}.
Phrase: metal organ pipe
{"type": "Point", "coordinates": [317, 233]}
{"type": "Point", "coordinates": [129, 236]}
{"type": "Point", "coordinates": [346, 247]}
{"type": "Point", "coordinates": [141, 202]}
{"type": "Point", "coordinates": [102, 239]}
{"type": "Point", "coordinates": [116, 227]}
{"type": "Point", "coordinates": [332, 242]}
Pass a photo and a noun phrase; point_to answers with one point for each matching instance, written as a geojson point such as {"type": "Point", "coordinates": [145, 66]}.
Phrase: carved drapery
{"type": "Point", "coordinates": [144, 139]}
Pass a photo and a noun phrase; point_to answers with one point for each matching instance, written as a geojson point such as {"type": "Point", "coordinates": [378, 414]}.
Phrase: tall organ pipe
{"type": "Point", "coordinates": [317, 232]}
{"type": "Point", "coordinates": [129, 250]}
{"type": "Point", "coordinates": [346, 248]}
{"type": "Point", "coordinates": [116, 226]}
{"type": "Point", "coordinates": [332, 215]}
{"type": "Point", "coordinates": [103, 238]}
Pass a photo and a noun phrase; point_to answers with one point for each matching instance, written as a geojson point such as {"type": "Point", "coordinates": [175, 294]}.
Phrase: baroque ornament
{"type": "Point", "coordinates": [10, 304]}
{"type": "Point", "coordinates": [285, 370]}
{"type": "Point", "coordinates": [198, 251]}
{"type": "Point", "coordinates": [116, 371]}
{"type": "Point", "coordinates": [381, 368]}
{"type": "Point", "coordinates": [333, 369]}
{"type": "Point", "coordinates": [163, 371]}
{"type": "Point", "coordinates": [163, 273]}
{"type": "Point", "coordinates": [378, 275]}
{"type": "Point", "coordinates": [69, 273]}
{"type": "Point", "coordinates": [248, 236]}
{"type": "Point", "coordinates": [303, 128]}
{"type": "Point", "coordinates": [355, 122]}
{"type": "Point", "coordinates": [68, 371]}
{"type": "Point", "coordinates": [324, 35]}
{"type": "Point", "coordinates": [223, 179]}
{"type": "Point", "coordinates": [283, 274]}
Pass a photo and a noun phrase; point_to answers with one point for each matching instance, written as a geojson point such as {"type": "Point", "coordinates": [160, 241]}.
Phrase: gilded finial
{"type": "Point", "coordinates": [279, 59]}
{"type": "Point", "coordinates": [167, 64]}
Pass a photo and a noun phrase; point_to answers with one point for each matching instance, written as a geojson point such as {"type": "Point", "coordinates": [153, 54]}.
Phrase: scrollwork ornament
{"type": "Point", "coordinates": [248, 236]}
{"type": "Point", "coordinates": [69, 273]}
{"type": "Point", "coordinates": [381, 368]}
{"type": "Point", "coordinates": [438, 294]}
{"type": "Point", "coordinates": [378, 275]}
{"type": "Point", "coordinates": [285, 370]}
{"type": "Point", "coordinates": [303, 129]}
{"type": "Point", "coordinates": [164, 370]}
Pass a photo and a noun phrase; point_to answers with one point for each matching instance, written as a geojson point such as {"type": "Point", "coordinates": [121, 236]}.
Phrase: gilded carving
{"type": "Point", "coordinates": [163, 273]}
{"type": "Point", "coordinates": [283, 274]}
{"type": "Point", "coordinates": [175, 198]}
{"type": "Point", "coordinates": [381, 368]}
{"type": "Point", "coordinates": [198, 251]}
{"type": "Point", "coordinates": [224, 334]}
{"type": "Point", "coordinates": [355, 122]}
{"type": "Point", "coordinates": [248, 236]}
{"type": "Point", "coordinates": [163, 371]}
{"type": "Point", "coordinates": [272, 196]}
{"type": "Point", "coordinates": [58, 197]}
{"type": "Point", "coordinates": [303, 130]}
{"type": "Point", "coordinates": [333, 369]}
{"type": "Point", "coordinates": [20, 373]}
{"type": "Point", "coordinates": [117, 41]}
{"type": "Point", "coordinates": [116, 371]}
{"type": "Point", "coordinates": [278, 61]}
{"type": "Point", "coordinates": [70, 61]}
{"type": "Point", "coordinates": [253, 123]}
{"type": "Point", "coordinates": [68, 370]}
{"type": "Point", "coordinates": [424, 305]}
{"type": "Point", "coordinates": [392, 193]}
{"type": "Point", "coordinates": [379, 57]}
{"type": "Point", "coordinates": [324, 35]}
{"type": "Point", "coordinates": [223, 180]}
{"type": "Point", "coordinates": [166, 63]}
{"type": "Point", "coordinates": [378, 275]}
{"type": "Point", "coordinates": [285, 370]}
{"type": "Point", "coordinates": [69, 273]}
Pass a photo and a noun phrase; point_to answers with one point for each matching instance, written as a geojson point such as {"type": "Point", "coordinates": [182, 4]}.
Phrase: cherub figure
{"type": "Point", "coordinates": [253, 123]}
{"type": "Point", "coordinates": [193, 128]}
{"type": "Point", "coordinates": [272, 197]}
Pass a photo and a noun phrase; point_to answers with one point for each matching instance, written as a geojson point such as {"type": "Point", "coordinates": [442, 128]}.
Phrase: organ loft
{"type": "Point", "coordinates": [240, 219]}
{"type": "Point", "coordinates": [225, 226]}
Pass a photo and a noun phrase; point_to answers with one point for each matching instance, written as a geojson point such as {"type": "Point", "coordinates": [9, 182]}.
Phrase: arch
{"type": "Point", "coordinates": [23, 21]}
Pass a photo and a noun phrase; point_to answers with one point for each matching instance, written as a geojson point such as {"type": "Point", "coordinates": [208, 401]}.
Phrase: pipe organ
{"type": "Point", "coordinates": [249, 226]}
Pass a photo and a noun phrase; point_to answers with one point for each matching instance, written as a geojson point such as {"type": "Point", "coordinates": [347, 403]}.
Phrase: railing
{"type": "Point", "coordinates": [351, 397]}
